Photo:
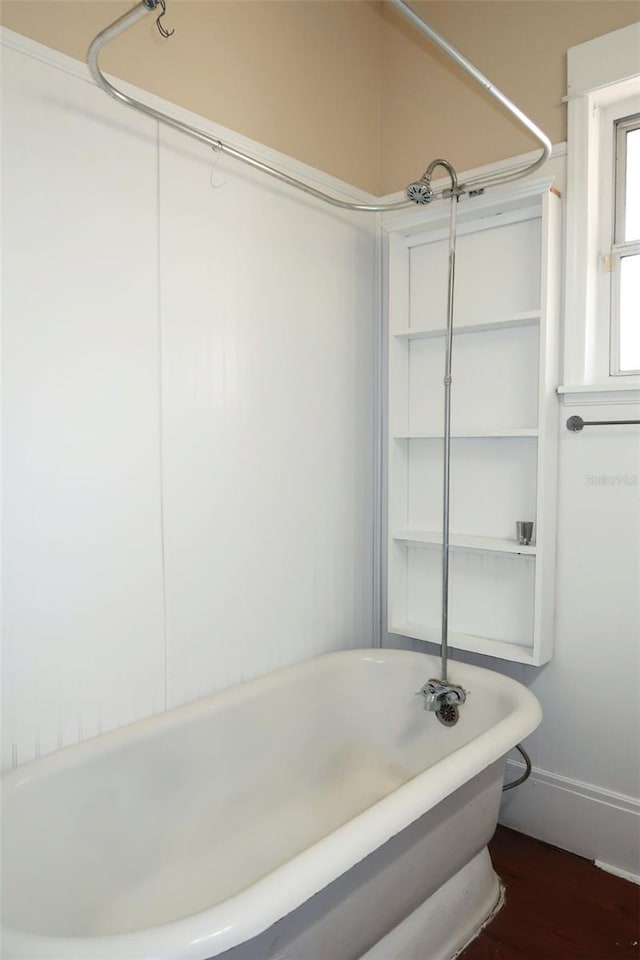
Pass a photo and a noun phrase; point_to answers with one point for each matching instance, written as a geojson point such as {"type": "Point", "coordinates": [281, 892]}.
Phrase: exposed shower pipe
{"type": "Point", "coordinates": [444, 650]}
{"type": "Point", "coordinates": [476, 184]}
{"type": "Point", "coordinates": [440, 696]}
{"type": "Point", "coordinates": [527, 769]}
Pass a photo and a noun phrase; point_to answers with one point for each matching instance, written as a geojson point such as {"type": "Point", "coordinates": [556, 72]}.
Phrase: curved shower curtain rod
{"type": "Point", "coordinates": [477, 184]}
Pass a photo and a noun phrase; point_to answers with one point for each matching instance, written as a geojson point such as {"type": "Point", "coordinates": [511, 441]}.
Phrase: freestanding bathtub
{"type": "Point", "coordinates": [318, 813]}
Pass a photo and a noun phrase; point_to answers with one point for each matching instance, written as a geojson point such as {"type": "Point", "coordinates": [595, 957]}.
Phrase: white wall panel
{"type": "Point", "coordinates": [268, 330]}
{"type": "Point", "coordinates": [589, 692]}
{"type": "Point", "coordinates": [83, 638]}
{"type": "Point", "coordinates": [585, 791]}
{"type": "Point", "coordinates": [150, 318]}
{"type": "Point", "coordinates": [598, 608]}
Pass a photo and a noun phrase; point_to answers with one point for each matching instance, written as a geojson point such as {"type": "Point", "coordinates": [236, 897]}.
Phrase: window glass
{"type": "Point", "coordinates": [632, 187]}
{"type": "Point", "coordinates": [625, 252]}
{"type": "Point", "coordinates": [629, 316]}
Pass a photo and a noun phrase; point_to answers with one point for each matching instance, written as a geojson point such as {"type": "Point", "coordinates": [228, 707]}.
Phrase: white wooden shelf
{"type": "Point", "coordinates": [466, 641]}
{"type": "Point", "coordinates": [464, 542]}
{"type": "Point", "coordinates": [526, 318]}
{"type": "Point", "coordinates": [482, 434]}
{"type": "Point", "coordinates": [504, 399]}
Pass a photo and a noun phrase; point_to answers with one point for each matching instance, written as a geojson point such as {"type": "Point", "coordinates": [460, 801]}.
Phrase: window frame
{"type": "Point", "coordinates": [620, 248]}
{"type": "Point", "coordinates": [603, 85]}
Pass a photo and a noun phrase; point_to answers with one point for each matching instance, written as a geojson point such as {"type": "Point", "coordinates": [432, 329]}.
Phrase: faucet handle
{"type": "Point", "coordinates": [428, 691]}
{"type": "Point", "coordinates": [455, 696]}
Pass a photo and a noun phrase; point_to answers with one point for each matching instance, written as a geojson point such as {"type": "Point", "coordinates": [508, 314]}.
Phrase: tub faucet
{"type": "Point", "coordinates": [439, 695]}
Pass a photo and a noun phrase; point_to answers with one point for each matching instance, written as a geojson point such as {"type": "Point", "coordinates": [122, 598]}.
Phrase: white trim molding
{"type": "Point", "coordinates": [599, 394]}
{"type": "Point", "coordinates": [617, 872]}
{"type": "Point", "coordinates": [603, 61]}
{"type": "Point", "coordinates": [591, 821]}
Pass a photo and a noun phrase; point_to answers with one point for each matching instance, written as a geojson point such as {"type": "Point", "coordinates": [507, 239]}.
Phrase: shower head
{"type": "Point", "coordinates": [420, 192]}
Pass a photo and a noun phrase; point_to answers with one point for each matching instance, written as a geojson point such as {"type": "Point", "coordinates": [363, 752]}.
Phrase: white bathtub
{"type": "Point", "coordinates": [315, 814]}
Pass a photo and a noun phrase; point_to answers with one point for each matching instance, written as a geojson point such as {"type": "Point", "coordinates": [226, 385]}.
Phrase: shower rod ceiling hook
{"type": "Point", "coordinates": [153, 5]}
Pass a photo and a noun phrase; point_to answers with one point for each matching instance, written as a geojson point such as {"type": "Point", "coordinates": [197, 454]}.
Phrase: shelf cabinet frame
{"type": "Point", "coordinates": [498, 208]}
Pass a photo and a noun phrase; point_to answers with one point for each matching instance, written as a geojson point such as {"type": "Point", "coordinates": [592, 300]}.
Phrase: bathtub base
{"type": "Point", "coordinates": [442, 926]}
{"type": "Point", "coordinates": [422, 895]}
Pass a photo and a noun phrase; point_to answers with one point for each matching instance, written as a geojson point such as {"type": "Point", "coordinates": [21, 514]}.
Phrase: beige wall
{"type": "Point", "coordinates": [431, 108]}
{"type": "Point", "coordinates": [302, 77]}
{"type": "Point", "coordinates": [346, 85]}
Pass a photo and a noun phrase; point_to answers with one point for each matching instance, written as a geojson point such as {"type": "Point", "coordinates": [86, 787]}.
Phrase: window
{"type": "Point", "coordinates": [625, 251]}
{"type": "Point", "coordinates": [602, 254]}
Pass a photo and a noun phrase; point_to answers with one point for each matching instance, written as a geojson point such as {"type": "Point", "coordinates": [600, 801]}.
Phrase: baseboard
{"type": "Point", "coordinates": [617, 872]}
{"type": "Point", "coordinates": [593, 822]}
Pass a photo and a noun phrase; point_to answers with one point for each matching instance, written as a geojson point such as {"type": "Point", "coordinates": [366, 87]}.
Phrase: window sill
{"type": "Point", "coordinates": [588, 394]}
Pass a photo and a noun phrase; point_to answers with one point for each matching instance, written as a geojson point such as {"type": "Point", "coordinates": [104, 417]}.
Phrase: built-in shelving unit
{"type": "Point", "coordinates": [504, 421]}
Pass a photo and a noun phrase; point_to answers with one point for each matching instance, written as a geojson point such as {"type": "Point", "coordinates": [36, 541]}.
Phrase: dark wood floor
{"type": "Point", "coordinates": [558, 907]}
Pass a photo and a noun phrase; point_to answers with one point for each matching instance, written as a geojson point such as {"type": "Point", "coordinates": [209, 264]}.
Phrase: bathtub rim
{"type": "Point", "coordinates": [109, 741]}
{"type": "Point", "coordinates": [253, 910]}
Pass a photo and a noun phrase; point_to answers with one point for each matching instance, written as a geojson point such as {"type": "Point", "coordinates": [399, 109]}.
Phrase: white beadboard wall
{"type": "Point", "coordinates": [189, 415]}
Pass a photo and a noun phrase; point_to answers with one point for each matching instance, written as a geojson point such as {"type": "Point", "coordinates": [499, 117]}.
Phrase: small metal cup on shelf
{"type": "Point", "coordinates": [524, 532]}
